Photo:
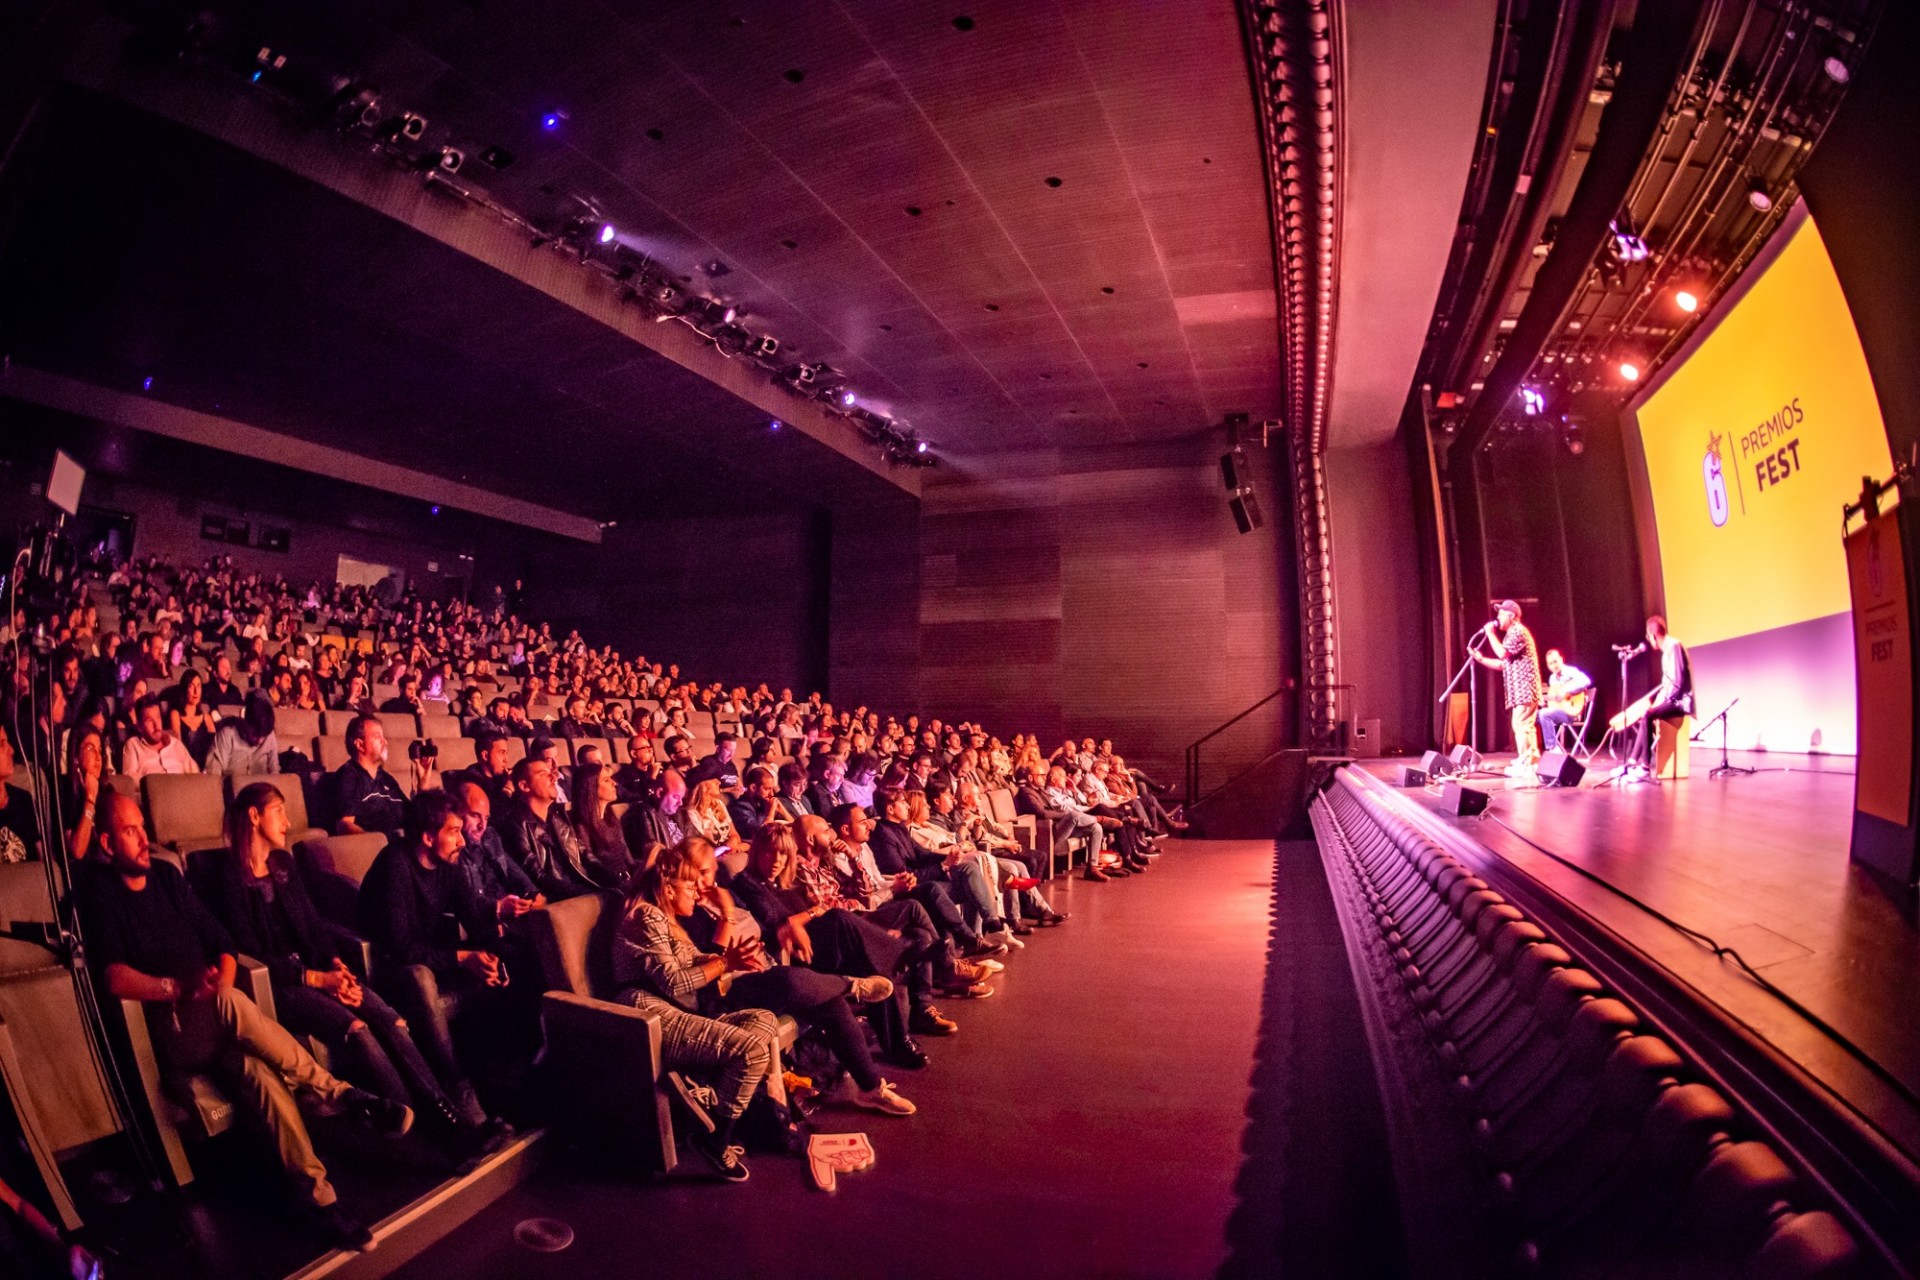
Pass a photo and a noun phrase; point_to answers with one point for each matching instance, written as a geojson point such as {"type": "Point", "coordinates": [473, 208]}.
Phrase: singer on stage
{"type": "Point", "coordinates": [1519, 662]}
{"type": "Point", "coordinates": [1671, 699]}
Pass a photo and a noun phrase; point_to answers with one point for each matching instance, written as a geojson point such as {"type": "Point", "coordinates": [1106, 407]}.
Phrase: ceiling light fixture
{"type": "Point", "coordinates": [1630, 370]}
{"type": "Point", "coordinates": [1759, 197]}
{"type": "Point", "coordinates": [1687, 300]}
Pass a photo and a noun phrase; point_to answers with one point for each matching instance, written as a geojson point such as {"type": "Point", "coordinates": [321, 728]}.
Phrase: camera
{"type": "Point", "coordinates": [423, 749]}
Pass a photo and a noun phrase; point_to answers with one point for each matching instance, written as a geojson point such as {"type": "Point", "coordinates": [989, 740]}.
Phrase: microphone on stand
{"type": "Point", "coordinates": [1629, 650]}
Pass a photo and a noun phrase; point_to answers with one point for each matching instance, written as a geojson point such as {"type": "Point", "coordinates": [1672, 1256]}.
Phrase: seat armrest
{"type": "Point", "coordinates": [354, 949]}
{"type": "Point", "coordinates": [134, 1014]}
{"type": "Point", "coordinates": [599, 1059]}
{"type": "Point", "coordinates": [252, 978]}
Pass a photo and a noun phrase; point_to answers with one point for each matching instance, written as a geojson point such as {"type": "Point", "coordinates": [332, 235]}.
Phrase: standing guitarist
{"type": "Point", "coordinates": [1568, 689]}
{"type": "Point", "coordinates": [1670, 700]}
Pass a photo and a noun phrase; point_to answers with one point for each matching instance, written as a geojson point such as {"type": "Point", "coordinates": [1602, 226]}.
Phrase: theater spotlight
{"type": "Point", "coordinates": [1836, 70]}
{"type": "Point", "coordinates": [1626, 246]}
{"type": "Point", "coordinates": [1687, 300]}
{"type": "Point", "coordinates": [1630, 370]}
{"type": "Point", "coordinates": [607, 233]}
{"type": "Point", "coordinates": [1758, 196]}
{"type": "Point", "coordinates": [765, 347]}
{"type": "Point", "coordinates": [1533, 401]}
{"type": "Point", "coordinates": [848, 399]}
{"type": "Point", "coordinates": [450, 160]}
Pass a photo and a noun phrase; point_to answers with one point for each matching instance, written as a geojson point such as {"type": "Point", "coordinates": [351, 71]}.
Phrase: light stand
{"type": "Point", "coordinates": [1725, 767]}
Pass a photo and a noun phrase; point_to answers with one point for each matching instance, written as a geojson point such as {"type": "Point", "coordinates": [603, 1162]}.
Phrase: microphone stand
{"type": "Point", "coordinates": [1725, 767]}
{"type": "Point", "coordinates": [1626, 657]}
{"type": "Point", "coordinates": [1458, 676]}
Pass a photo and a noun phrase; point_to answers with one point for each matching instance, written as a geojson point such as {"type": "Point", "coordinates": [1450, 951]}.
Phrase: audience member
{"type": "Point", "coordinates": [152, 749]}
{"type": "Point", "coordinates": [361, 795]}
{"type": "Point", "coordinates": [153, 941]}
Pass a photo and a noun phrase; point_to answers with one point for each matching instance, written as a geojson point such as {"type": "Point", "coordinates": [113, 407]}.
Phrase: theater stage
{"type": "Point", "coordinates": [1757, 863]}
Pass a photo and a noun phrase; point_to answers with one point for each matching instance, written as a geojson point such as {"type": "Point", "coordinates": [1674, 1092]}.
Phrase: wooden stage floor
{"type": "Point", "coordinates": [1758, 863]}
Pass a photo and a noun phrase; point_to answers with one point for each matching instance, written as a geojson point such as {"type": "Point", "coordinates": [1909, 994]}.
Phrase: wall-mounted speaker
{"type": "Point", "coordinates": [1233, 469]}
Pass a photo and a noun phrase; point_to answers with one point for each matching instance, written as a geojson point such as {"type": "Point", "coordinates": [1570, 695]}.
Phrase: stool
{"type": "Point", "coordinates": [1672, 748]}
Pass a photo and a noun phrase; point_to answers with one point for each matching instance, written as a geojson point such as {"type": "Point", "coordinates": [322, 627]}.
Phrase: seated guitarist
{"type": "Point", "coordinates": [1568, 689]}
{"type": "Point", "coordinates": [1671, 699]}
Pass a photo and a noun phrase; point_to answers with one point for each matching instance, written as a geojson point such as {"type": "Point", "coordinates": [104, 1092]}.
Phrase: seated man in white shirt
{"type": "Point", "coordinates": [1568, 688]}
{"type": "Point", "coordinates": [154, 750]}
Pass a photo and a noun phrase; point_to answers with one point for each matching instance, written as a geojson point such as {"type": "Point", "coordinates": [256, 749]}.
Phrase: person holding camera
{"type": "Point", "coordinates": [361, 795]}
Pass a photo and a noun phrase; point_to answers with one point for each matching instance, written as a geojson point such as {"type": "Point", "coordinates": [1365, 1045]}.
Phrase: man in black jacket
{"type": "Point", "coordinates": [415, 904]}
{"type": "Point", "coordinates": [660, 822]}
{"type": "Point", "coordinates": [940, 887]}
{"type": "Point", "coordinates": [537, 835]}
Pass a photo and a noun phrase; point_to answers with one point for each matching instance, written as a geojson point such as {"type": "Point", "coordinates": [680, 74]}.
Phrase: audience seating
{"type": "Point", "coordinates": [186, 811]}
{"type": "Point", "coordinates": [455, 753]}
{"type": "Point", "coordinates": [192, 1109]}
{"type": "Point", "coordinates": [332, 752]}
{"type": "Point", "coordinates": [438, 724]}
{"type": "Point", "coordinates": [597, 1049]}
{"type": "Point", "coordinates": [400, 727]}
{"type": "Point", "coordinates": [334, 866]}
{"type": "Point", "coordinates": [292, 725]}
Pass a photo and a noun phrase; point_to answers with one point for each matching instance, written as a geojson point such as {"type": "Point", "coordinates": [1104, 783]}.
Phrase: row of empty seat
{"type": "Point", "coordinates": [1601, 1151]}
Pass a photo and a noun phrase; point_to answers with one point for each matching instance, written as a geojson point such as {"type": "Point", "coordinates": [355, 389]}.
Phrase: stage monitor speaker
{"type": "Point", "coordinates": [1435, 765]}
{"type": "Point", "coordinates": [1558, 769]}
{"type": "Point", "coordinates": [1463, 800]}
{"type": "Point", "coordinates": [1411, 776]}
{"type": "Point", "coordinates": [1246, 511]}
{"type": "Point", "coordinates": [1465, 758]}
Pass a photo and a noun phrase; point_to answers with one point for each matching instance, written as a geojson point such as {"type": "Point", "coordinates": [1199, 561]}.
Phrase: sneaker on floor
{"type": "Point", "coordinates": [724, 1158]}
{"type": "Point", "coordinates": [972, 970]}
{"type": "Point", "coordinates": [342, 1230]}
{"type": "Point", "coordinates": [986, 968]}
{"type": "Point", "coordinates": [982, 947]}
{"type": "Point", "coordinates": [872, 990]}
{"type": "Point", "coordinates": [883, 1099]}
{"type": "Point", "coordinates": [970, 991]}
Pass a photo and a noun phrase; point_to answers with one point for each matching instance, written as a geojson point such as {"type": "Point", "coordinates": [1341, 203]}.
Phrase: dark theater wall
{"type": "Point", "coordinates": [1105, 594]}
{"type": "Point", "coordinates": [730, 598]}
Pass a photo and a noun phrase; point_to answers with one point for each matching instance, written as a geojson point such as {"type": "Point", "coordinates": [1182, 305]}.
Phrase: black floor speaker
{"type": "Point", "coordinates": [1435, 765]}
{"type": "Point", "coordinates": [1558, 769]}
{"type": "Point", "coordinates": [1412, 776]}
{"type": "Point", "coordinates": [1465, 758]}
{"type": "Point", "coordinates": [1463, 800]}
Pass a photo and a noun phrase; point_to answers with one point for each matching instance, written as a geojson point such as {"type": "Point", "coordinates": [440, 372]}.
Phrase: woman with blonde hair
{"type": "Point", "coordinates": [707, 814]}
{"type": "Point", "coordinates": [655, 958]}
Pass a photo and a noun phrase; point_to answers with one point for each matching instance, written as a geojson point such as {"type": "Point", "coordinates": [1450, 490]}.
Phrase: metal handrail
{"type": "Point", "coordinates": [1193, 748]}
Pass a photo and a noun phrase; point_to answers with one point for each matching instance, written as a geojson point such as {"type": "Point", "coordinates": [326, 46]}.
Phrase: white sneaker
{"type": "Point", "coordinates": [883, 1099]}
{"type": "Point", "coordinates": [990, 966]}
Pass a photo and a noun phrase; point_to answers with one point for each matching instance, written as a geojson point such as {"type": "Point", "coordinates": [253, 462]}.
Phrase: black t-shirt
{"type": "Point", "coordinates": [374, 801]}
{"type": "Point", "coordinates": [19, 829]}
{"type": "Point", "coordinates": [163, 931]}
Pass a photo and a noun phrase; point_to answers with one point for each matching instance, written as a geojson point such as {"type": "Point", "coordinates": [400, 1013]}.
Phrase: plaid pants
{"type": "Point", "coordinates": [742, 1046]}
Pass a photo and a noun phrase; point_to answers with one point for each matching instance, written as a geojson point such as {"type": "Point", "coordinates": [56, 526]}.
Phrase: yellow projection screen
{"type": "Point", "coordinates": [1752, 439]}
